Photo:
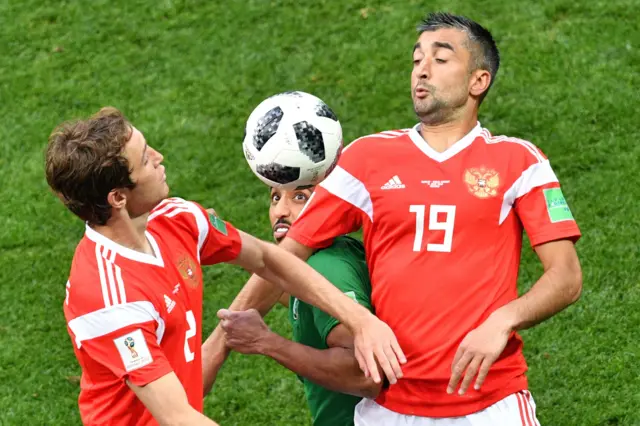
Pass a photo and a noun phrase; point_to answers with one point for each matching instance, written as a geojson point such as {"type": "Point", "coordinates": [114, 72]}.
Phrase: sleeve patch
{"type": "Point", "coordinates": [557, 205]}
{"type": "Point", "coordinates": [133, 350]}
{"type": "Point", "coordinates": [218, 223]}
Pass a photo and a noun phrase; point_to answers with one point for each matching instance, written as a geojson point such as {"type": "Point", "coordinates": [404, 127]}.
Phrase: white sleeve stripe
{"type": "Point", "coordinates": [526, 144]}
{"type": "Point", "coordinates": [203, 226]}
{"type": "Point", "coordinates": [113, 318]}
{"type": "Point", "coordinates": [178, 210]}
{"type": "Point", "coordinates": [168, 204]}
{"type": "Point", "coordinates": [103, 280]}
{"type": "Point", "coordinates": [532, 150]}
{"type": "Point", "coordinates": [387, 134]}
{"type": "Point", "coordinates": [536, 175]}
{"type": "Point", "coordinates": [123, 295]}
{"type": "Point", "coordinates": [163, 210]}
{"type": "Point", "coordinates": [201, 221]}
{"type": "Point", "coordinates": [347, 187]}
{"type": "Point", "coordinates": [112, 282]}
{"type": "Point", "coordinates": [177, 206]}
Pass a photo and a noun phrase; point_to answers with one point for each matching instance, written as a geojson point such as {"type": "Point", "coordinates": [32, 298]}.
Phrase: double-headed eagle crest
{"type": "Point", "coordinates": [187, 268]}
{"type": "Point", "coordinates": [482, 182]}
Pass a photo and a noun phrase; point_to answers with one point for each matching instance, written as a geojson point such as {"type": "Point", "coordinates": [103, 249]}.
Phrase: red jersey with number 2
{"type": "Point", "coordinates": [443, 235]}
{"type": "Point", "coordinates": [135, 316]}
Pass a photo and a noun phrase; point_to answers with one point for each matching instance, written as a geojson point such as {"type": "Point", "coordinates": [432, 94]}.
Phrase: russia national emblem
{"type": "Point", "coordinates": [482, 182]}
{"type": "Point", "coordinates": [187, 268]}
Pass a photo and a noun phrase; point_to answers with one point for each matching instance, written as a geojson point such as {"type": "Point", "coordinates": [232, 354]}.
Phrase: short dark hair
{"type": "Point", "coordinates": [483, 47]}
{"type": "Point", "coordinates": [85, 161]}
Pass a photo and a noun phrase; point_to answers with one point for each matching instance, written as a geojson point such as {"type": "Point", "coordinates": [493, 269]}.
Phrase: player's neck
{"type": "Point", "coordinates": [127, 232]}
{"type": "Point", "coordinates": [443, 136]}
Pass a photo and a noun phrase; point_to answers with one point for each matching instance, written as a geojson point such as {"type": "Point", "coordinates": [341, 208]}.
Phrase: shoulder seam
{"type": "Point", "coordinates": [533, 150]}
{"type": "Point", "coordinates": [171, 207]}
{"type": "Point", "coordinates": [385, 134]}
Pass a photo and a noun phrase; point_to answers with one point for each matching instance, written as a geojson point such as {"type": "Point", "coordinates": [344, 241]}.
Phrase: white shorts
{"type": "Point", "coordinates": [517, 409]}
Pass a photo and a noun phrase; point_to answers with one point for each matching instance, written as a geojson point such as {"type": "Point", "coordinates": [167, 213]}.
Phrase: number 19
{"type": "Point", "coordinates": [434, 225]}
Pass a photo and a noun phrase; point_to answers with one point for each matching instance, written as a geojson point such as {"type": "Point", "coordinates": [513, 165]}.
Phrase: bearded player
{"type": "Point", "coordinates": [321, 353]}
{"type": "Point", "coordinates": [443, 206]}
{"type": "Point", "coordinates": [134, 296]}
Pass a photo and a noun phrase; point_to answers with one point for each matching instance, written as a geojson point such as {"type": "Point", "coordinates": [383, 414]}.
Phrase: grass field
{"type": "Point", "coordinates": [188, 73]}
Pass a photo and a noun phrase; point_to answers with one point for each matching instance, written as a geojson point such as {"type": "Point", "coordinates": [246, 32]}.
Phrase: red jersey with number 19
{"type": "Point", "coordinates": [443, 236]}
{"type": "Point", "coordinates": [135, 316]}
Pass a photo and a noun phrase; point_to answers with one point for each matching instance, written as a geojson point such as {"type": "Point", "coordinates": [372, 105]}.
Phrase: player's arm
{"type": "Point", "coordinates": [257, 293]}
{"type": "Point", "coordinates": [339, 206]}
{"type": "Point", "coordinates": [559, 286]}
{"type": "Point", "coordinates": [552, 231]}
{"type": "Point", "coordinates": [294, 276]}
{"type": "Point", "coordinates": [543, 211]}
{"type": "Point", "coordinates": [282, 268]}
{"type": "Point", "coordinates": [263, 290]}
{"type": "Point", "coordinates": [167, 402]}
{"type": "Point", "coordinates": [335, 368]}
{"type": "Point", "coordinates": [124, 340]}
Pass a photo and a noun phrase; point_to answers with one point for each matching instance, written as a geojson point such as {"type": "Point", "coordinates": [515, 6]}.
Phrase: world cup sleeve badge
{"type": "Point", "coordinates": [133, 350]}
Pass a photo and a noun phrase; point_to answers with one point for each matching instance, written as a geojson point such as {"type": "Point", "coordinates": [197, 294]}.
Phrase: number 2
{"type": "Point", "coordinates": [191, 332]}
{"type": "Point", "coordinates": [434, 225]}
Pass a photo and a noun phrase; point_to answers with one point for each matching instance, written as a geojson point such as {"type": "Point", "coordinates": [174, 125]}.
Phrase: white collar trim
{"type": "Point", "coordinates": [98, 238]}
{"type": "Point", "coordinates": [453, 150]}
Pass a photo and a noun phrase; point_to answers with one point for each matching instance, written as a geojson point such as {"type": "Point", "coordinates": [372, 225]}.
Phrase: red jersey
{"type": "Point", "coordinates": [137, 316]}
{"type": "Point", "coordinates": [443, 236]}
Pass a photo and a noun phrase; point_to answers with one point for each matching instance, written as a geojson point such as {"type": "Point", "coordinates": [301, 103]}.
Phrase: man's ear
{"type": "Point", "coordinates": [117, 199]}
{"type": "Point", "coordinates": [479, 82]}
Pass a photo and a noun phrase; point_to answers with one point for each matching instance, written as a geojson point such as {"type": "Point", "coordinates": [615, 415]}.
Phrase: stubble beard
{"type": "Point", "coordinates": [432, 112]}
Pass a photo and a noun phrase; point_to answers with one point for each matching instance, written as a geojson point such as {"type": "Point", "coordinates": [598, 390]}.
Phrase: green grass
{"type": "Point", "coordinates": [189, 73]}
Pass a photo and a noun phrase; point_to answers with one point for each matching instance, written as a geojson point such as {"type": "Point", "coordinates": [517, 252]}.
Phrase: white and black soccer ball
{"type": "Point", "coordinates": [292, 140]}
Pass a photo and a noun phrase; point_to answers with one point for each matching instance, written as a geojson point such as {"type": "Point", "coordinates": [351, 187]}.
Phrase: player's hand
{"type": "Point", "coordinates": [245, 331]}
{"type": "Point", "coordinates": [477, 352]}
{"type": "Point", "coordinates": [212, 211]}
{"type": "Point", "coordinates": [374, 339]}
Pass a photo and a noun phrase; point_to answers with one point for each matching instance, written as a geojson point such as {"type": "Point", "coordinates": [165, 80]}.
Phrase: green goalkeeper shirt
{"type": "Point", "coordinates": [344, 265]}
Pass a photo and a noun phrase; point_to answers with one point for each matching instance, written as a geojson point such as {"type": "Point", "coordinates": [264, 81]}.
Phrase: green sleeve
{"type": "Point", "coordinates": [349, 274]}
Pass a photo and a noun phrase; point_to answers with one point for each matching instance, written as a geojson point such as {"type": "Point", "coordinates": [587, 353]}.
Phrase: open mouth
{"type": "Point", "coordinates": [280, 231]}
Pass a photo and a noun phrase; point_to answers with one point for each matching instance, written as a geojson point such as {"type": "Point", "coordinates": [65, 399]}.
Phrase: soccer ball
{"type": "Point", "coordinates": [292, 140]}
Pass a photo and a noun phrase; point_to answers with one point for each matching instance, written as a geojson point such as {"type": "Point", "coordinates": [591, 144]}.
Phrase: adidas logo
{"type": "Point", "coordinates": [394, 183]}
{"type": "Point", "coordinates": [170, 303]}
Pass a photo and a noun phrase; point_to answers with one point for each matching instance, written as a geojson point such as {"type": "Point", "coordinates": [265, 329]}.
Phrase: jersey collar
{"type": "Point", "coordinates": [453, 150]}
{"type": "Point", "coordinates": [137, 256]}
